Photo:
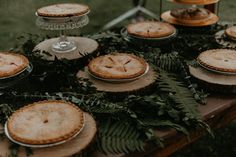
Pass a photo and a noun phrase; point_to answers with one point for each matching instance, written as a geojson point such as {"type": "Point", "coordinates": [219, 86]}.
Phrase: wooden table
{"type": "Point", "coordinates": [219, 111]}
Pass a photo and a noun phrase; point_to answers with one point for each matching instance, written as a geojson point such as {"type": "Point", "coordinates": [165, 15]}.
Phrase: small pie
{"type": "Point", "coordinates": [150, 29]}
{"type": "Point", "coordinates": [45, 122]}
{"type": "Point", "coordinates": [190, 14]}
{"type": "Point", "coordinates": [223, 60]}
{"type": "Point", "coordinates": [117, 66]}
{"type": "Point", "coordinates": [11, 64]}
{"type": "Point", "coordinates": [231, 32]}
{"type": "Point", "coordinates": [63, 10]}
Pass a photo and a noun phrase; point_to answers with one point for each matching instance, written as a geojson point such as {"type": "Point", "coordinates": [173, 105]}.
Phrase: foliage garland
{"type": "Point", "coordinates": [169, 104]}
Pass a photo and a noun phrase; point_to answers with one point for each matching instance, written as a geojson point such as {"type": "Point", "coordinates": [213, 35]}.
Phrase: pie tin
{"type": "Point", "coordinates": [11, 80]}
{"type": "Point", "coordinates": [42, 145]}
{"type": "Point", "coordinates": [120, 80]}
{"type": "Point", "coordinates": [26, 68]}
{"type": "Point", "coordinates": [148, 41]}
{"type": "Point", "coordinates": [216, 71]}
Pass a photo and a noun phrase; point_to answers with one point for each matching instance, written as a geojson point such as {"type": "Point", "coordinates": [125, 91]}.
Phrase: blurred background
{"type": "Point", "coordinates": [18, 16]}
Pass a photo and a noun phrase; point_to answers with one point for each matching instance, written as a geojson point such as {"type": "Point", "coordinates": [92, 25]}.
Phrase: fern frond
{"type": "Point", "coordinates": [119, 137]}
{"type": "Point", "coordinates": [179, 94]}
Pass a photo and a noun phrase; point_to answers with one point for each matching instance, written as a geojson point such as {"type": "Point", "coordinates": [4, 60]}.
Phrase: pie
{"type": "Point", "coordinates": [223, 60]}
{"type": "Point", "coordinates": [190, 14]}
{"type": "Point", "coordinates": [150, 29]}
{"type": "Point", "coordinates": [231, 32]}
{"type": "Point", "coordinates": [63, 10]}
{"type": "Point", "coordinates": [117, 66]}
{"type": "Point", "coordinates": [45, 122]}
{"type": "Point", "coordinates": [12, 63]}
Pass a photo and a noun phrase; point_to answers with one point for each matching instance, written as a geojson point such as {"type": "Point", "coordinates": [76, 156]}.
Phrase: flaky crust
{"type": "Point", "coordinates": [231, 32]}
{"type": "Point", "coordinates": [206, 59]}
{"type": "Point", "coordinates": [49, 11]}
{"type": "Point", "coordinates": [150, 29]}
{"type": "Point", "coordinates": [12, 72]}
{"type": "Point", "coordinates": [190, 13]}
{"type": "Point", "coordinates": [106, 75]}
{"type": "Point", "coordinates": [15, 136]}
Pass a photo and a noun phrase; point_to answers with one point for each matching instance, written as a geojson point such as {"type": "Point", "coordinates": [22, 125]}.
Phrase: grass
{"type": "Point", "coordinates": [18, 16]}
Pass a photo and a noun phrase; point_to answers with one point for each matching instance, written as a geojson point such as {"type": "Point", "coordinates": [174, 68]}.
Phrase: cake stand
{"type": "Point", "coordinates": [213, 18]}
{"type": "Point", "coordinates": [64, 47]}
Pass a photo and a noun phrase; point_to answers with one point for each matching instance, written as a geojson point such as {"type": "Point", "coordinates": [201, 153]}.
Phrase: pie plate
{"type": "Point", "coordinates": [41, 145]}
{"type": "Point", "coordinates": [12, 80]}
{"type": "Point", "coordinates": [120, 80]}
{"type": "Point", "coordinates": [124, 33]}
{"type": "Point", "coordinates": [148, 41]}
{"type": "Point", "coordinates": [217, 71]}
{"type": "Point", "coordinates": [23, 70]}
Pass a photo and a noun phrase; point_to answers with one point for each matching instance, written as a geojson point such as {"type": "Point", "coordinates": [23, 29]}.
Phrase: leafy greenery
{"type": "Point", "coordinates": [126, 123]}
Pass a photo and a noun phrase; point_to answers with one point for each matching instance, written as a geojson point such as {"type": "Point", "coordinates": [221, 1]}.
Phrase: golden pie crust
{"type": "Point", "coordinates": [12, 63]}
{"type": "Point", "coordinates": [223, 60]}
{"type": "Point", "coordinates": [190, 14]}
{"type": "Point", "coordinates": [231, 32]}
{"type": "Point", "coordinates": [45, 122]}
{"type": "Point", "coordinates": [150, 29]}
{"type": "Point", "coordinates": [117, 66]}
{"type": "Point", "coordinates": [63, 10]}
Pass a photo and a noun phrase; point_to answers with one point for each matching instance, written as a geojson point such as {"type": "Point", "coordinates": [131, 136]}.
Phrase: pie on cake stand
{"type": "Point", "coordinates": [227, 38]}
{"type": "Point", "coordinates": [191, 17]}
{"type": "Point", "coordinates": [216, 71]}
{"type": "Point", "coordinates": [13, 68]}
{"type": "Point", "coordinates": [150, 33]}
{"type": "Point", "coordinates": [60, 17]}
{"type": "Point", "coordinates": [49, 115]}
{"type": "Point", "coordinates": [119, 73]}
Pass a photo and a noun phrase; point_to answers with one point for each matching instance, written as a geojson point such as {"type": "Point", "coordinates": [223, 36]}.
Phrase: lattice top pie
{"type": "Point", "coordinates": [11, 64]}
{"type": "Point", "coordinates": [190, 13]}
{"type": "Point", "coordinates": [45, 122]}
{"type": "Point", "coordinates": [223, 60]}
{"type": "Point", "coordinates": [63, 10]}
{"type": "Point", "coordinates": [231, 32]}
{"type": "Point", "coordinates": [150, 29]}
{"type": "Point", "coordinates": [117, 66]}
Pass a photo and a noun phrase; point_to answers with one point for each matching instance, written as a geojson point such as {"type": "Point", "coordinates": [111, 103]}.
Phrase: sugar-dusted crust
{"type": "Point", "coordinates": [190, 14]}
{"type": "Point", "coordinates": [45, 122]}
{"type": "Point", "coordinates": [63, 10]}
{"type": "Point", "coordinates": [12, 63]}
{"type": "Point", "coordinates": [150, 29]}
{"type": "Point", "coordinates": [231, 32]}
{"type": "Point", "coordinates": [117, 66]}
{"type": "Point", "coordinates": [223, 60]}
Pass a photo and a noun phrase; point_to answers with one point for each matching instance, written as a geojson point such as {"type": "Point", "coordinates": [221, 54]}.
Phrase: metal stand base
{"type": "Point", "coordinates": [128, 14]}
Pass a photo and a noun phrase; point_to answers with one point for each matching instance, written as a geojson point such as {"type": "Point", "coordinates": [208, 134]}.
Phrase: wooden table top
{"type": "Point", "coordinates": [218, 106]}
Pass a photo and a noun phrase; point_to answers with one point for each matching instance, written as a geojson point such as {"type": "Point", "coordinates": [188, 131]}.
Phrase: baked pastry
{"type": "Point", "coordinates": [63, 10]}
{"type": "Point", "coordinates": [12, 63]}
{"type": "Point", "coordinates": [117, 66]}
{"type": "Point", "coordinates": [231, 32]}
{"type": "Point", "coordinates": [222, 60]}
{"type": "Point", "coordinates": [150, 29]}
{"type": "Point", "coordinates": [45, 122]}
{"type": "Point", "coordinates": [190, 14]}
